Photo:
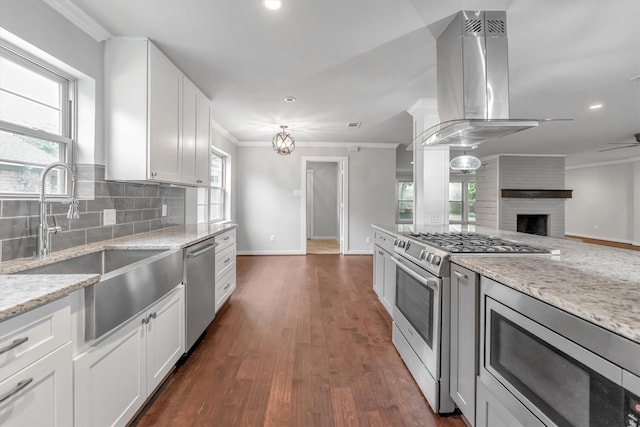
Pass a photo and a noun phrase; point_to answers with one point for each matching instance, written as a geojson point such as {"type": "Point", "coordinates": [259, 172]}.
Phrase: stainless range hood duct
{"type": "Point", "coordinates": [473, 81]}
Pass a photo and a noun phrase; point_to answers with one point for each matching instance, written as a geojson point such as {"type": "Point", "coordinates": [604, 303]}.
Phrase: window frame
{"type": "Point", "coordinates": [68, 110]}
{"type": "Point", "coordinates": [465, 180]}
{"type": "Point", "coordinates": [398, 200]}
{"type": "Point", "coordinates": [223, 188]}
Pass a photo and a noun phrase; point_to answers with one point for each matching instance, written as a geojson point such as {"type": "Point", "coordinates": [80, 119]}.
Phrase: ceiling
{"type": "Point", "coordinates": [368, 61]}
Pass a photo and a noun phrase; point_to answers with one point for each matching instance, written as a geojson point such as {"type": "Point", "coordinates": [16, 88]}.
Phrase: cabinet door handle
{"type": "Point", "coordinates": [227, 238]}
{"type": "Point", "coordinates": [228, 286]}
{"type": "Point", "coordinates": [227, 260]}
{"type": "Point", "coordinates": [381, 253]}
{"type": "Point", "coordinates": [460, 275]}
{"type": "Point", "coordinates": [145, 320]}
{"type": "Point", "coordinates": [22, 384]}
{"type": "Point", "coordinates": [153, 315]}
{"type": "Point", "coordinates": [199, 181]}
{"type": "Point", "coordinates": [14, 344]}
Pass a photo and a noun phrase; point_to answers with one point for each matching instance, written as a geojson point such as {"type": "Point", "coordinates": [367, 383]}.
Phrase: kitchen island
{"type": "Point", "coordinates": [535, 337]}
{"type": "Point", "coordinates": [597, 283]}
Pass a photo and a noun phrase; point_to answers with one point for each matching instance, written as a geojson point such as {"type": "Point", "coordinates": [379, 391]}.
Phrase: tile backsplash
{"type": "Point", "coordinates": [138, 209]}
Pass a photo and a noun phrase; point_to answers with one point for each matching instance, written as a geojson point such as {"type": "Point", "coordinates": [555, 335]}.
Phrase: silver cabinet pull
{"type": "Point", "coordinates": [22, 384]}
{"type": "Point", "coordinates": [145, 320]}
{"type": "Point", "coordinates": [226, 260]}
{"type": "Point", "coordinates": [14, 344]}
{"type": "Point", "coordinates": [227, 238]}
{"type": "Point", "coordinates": [153, 315]}
{"type": "Point", "coordinates": [201, 251]}
{"type": "Point", "coordinates": [460, 275]}
{"type": "Point", "coordinates": [199, 181]}
{"type": "Point", "coordinates": [228, 286]}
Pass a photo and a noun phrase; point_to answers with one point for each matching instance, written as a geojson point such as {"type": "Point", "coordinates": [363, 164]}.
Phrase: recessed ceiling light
{"type": "Point", "coordinates": [595, 106]}
{"type": "Point", "coordinates": [273, 4]}
{"type": "Point", "coordinates": [290, 99]}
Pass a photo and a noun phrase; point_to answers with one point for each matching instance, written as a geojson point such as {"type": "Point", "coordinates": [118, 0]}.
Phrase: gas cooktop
{"type": "Point", "coordinates": [459, 242]}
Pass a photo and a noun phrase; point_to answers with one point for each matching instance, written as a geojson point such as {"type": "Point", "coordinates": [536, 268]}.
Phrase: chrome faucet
{"type": "Point", "coordinates": [44, 229]}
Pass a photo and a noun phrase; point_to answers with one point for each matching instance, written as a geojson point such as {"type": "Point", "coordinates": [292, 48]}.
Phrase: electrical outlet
{"type": "Point", "coordinates": [368, 240]}
{"type": "Point", "coordinates": [108, 217]}
{"type": "Point", "coordinates": [272, 238]}
{"type": "Point", "coordinates": [436, 218]}
{"type": "Point", "coordinates": [164, 210]}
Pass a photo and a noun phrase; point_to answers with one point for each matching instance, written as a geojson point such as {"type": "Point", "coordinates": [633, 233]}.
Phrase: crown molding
{"type": "Point", "coordinates": [324, 144]}
{"type": "Point", "coordinates": [610, 162]}
{"type": "Point", "coordinates": [225, 133]}
{"type": "Point", "coordinates": [79, 18]}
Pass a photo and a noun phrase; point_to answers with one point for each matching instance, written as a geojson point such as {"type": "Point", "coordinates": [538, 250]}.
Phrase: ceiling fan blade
{"type": "Point", "coordinates": [617, 148]}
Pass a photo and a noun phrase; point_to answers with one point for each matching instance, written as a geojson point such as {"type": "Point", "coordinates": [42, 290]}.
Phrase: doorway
{"type": "Point", "coordinates": [324, 207]}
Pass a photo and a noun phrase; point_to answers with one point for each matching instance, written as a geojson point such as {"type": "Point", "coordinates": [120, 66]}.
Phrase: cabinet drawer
{"type": "Point", "coordinates": [41, 394]}
{"type": "Point", "coordinates": [225, 286]}
{"type": "Point", "coordinates": [225, 239]}
{"type": "Point", "coordinates": [32, 335]}
{"type": "Point", "coordinates": [384, 240]}
{"type": "Point", "coordinates": [224, 260]}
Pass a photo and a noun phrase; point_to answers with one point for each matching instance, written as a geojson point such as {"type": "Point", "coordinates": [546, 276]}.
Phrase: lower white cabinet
{"type": "Point", "coordinates": [225, 266]}
{"type": "Point", "coordinates": [384, 277]}
{"type": "Point", "coordinates": [114, 377]}
{"type": "Point", "coordinates": [40, 394]}
{"type": "Point", "coordinates": [36, 378]}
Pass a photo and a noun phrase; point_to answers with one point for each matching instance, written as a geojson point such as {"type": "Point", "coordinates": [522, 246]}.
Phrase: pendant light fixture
{"type": "Point", "coordinates": [273, 4]}
{"type": "Point", "coordinates": [283, 143]}
{"type": "Point", "coordinates": [465, 163]}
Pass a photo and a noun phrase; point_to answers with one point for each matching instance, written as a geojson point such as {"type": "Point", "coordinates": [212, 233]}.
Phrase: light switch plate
{"type": "Point", "coordinates": [109, 217]}
{"type": "Point", "coordinates": [164, 210]}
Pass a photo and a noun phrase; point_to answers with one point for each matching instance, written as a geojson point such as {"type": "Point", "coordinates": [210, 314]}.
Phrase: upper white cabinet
{"type": "Point", "coordinates": [154, 114]}
{"type": "Point", "coordinates": [195, 135]}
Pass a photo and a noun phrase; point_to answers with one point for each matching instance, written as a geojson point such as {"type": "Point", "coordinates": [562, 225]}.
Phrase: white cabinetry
{"type": "Point", "coordinates": [35, 367]}
{"type": "Point", "coordinates": [195, 135]}
{"type": "Point", "coordinates": [152, 116]}
{"type": "Point", "coordinates": [384, 270]}
{"type": "Point", "coordinates": [225, 266]}
{"type": "Point", "coordinates": [114, 377]}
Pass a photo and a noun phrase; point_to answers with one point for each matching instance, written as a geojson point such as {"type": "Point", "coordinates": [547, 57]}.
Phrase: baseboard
{"type": "Point", "coordinates": [604, 239]}
{"type": "Point", "coordinates": [369, 252]}
{"type": "Point", "coordinates": [282, 252]}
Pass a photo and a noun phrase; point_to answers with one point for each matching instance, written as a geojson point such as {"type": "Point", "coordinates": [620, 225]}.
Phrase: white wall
{"type": "Point", "coordinates": [267, 204]}
{"type": "Point", "coordinates": [325, 199]}
{"type": "Point", "coordinates": [604, 202]}
{"type": "Point", "coordinates": [39, 25]}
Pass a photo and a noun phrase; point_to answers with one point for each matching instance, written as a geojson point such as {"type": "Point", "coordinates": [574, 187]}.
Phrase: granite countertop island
{"type": "Point", "coordinates": [597, 283]}
{"type": "Point", "coordinates": [20, 293]}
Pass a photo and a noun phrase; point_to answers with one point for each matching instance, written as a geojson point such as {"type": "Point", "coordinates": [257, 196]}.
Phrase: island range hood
{"type": "Point", "coordinates": [473, 81]}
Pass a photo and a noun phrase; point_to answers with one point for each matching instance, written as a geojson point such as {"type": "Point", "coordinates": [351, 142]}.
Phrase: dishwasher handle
{"type": "Point", "coordinates": [201, 251]}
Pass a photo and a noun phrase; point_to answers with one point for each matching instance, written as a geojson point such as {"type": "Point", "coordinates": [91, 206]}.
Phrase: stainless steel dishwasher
{"type": "Point", "coordinates": [199, 279]}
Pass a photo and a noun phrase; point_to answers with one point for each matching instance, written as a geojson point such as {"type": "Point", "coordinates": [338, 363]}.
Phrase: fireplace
{"type": "Point", "coordinates": [533, 224]}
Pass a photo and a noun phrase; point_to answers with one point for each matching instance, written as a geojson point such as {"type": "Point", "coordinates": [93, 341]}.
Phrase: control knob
{"type": "Point", "coordinates": [435, 260]}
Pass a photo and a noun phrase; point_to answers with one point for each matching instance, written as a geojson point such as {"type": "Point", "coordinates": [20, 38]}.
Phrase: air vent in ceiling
{"type": "Point", "coordinates": [354, 124]}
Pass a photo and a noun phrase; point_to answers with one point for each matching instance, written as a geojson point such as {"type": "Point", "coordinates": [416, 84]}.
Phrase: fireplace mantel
{"type": "Point", "coordinates": [536, 194]}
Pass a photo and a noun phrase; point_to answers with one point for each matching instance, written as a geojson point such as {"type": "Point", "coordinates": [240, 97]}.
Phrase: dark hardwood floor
{"type": "Point", "coordinates": [303, 342]}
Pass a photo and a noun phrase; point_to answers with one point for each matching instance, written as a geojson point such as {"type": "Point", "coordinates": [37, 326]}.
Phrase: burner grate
{"type": "Point", "coordinates": [475, 243]}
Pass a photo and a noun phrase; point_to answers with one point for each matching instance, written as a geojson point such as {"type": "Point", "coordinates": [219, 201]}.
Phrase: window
{"type": "Point", "coordinates": [35, 125]}
{"type": "Point", "coordinates": [217, 193]}
{"type": "Point", "coordinates": [462, 201]}
{"type": "Point", "coordinates": [404, 195]}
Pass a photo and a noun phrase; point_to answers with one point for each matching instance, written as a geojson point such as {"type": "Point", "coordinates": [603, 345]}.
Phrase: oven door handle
{"type": "Point", "coordinates": [424, 281]}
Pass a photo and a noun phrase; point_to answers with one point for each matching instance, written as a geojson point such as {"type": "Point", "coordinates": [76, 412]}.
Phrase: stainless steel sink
{"type": "Point", "coordinates": [131, 281]}
{"type": "Point", "coordinates": [102, 262]}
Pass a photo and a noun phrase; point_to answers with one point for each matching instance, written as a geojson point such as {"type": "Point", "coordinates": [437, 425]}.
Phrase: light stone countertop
{"type": "Point", "coordinates": [597, 283]}
{"type": "Point", "coordinates": [20, 293]}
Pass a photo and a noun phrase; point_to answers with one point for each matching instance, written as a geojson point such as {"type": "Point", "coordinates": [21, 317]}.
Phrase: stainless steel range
{"type": "Point", "coordinates": [421, 314]}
